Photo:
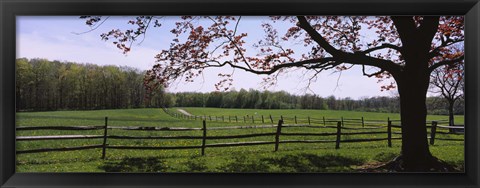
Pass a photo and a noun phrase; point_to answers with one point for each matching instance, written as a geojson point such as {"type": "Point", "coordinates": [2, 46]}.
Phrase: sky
{"type": "Point", "coordinates": [68, 38]}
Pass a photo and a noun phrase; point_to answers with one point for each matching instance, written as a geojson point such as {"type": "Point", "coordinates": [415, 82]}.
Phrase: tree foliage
{"type": "Point", "coordinates": [53, 85]}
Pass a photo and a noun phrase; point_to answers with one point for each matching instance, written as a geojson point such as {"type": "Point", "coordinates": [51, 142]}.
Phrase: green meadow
{"type": "Point", "coordinates": [290, 157]}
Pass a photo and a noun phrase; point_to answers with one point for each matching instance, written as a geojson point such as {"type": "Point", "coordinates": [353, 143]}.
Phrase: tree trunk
{"type": "Point", "coordinates": [450, 114]}
{"type": "Point", "coordinates": [412, 86]}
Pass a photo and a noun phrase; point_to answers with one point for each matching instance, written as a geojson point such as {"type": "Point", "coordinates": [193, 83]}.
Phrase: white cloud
{"type": "Point", "coordinates": [82, 49]}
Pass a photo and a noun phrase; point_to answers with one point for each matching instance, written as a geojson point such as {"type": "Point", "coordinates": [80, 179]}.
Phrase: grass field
{"type": "Point", "coordinates": [294, 157]}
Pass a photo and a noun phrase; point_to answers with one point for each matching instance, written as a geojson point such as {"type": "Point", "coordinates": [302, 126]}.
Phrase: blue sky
{"type": "Point", "coordinates": [54, 38]}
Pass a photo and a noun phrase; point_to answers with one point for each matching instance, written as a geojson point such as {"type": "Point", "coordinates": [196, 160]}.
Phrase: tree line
{"type": "Point", "coordinates": [53, 85]}
{"type": "Point", "coordinates": [283, 100]}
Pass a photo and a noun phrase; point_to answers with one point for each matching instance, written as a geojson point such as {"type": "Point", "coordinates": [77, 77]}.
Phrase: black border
{"type": "Point", "coordinates": [10, 8]}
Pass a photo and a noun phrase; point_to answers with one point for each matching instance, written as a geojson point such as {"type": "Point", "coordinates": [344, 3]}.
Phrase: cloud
{"type": "Point", "coordinates": [82, 49]}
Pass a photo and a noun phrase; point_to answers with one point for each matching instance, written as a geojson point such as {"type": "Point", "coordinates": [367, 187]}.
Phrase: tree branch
{"type": "Point", "coordinates": [234, 43]}
{"type": "Point", "coordinates": [435, 52]}
{"type": "Point", "coordinates": [406, 28]}
{"type": "Point", "coordinates": [373, 74]}
{"type": "Point", "coordinates": [274, 68]}
{"type": "Point", "coordinates": [446, 62]}
{"type": "Point", "coordinates": [383, 46]}
{"type": "Point", "coordinates": [428, 29]}
{"type": "Point", "coordinates": [358, 58]}
{"type": "Point", "coordinates": [94, 28]}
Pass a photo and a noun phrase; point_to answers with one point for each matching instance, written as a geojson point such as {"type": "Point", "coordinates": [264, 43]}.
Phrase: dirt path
{"type": "Point", "coordinates": [184, 112]}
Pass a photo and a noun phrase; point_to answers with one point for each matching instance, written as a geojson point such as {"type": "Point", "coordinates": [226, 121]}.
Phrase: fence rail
{"type": "Point", "coordinates": [277, 134]}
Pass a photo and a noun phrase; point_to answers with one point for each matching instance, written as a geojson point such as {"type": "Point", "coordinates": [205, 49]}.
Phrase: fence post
{"type": "Point", "coordinates": [253, 120]}
{"type": "Point", "coordinates": [363, 122]}
{"type": "Point", "coordinates": [432, 132]}
{"type": "Point", "coordinates": [244, 119]}
{"type": "Point", "coordinates": [263, 121]}
{"type": "Point", "coordinates": [204, 137]}
{"type": "Point", "coordinates": [236, 118]}
{"type": "Point", "coordinates": [339, 133]}
{"type": "Point", "coordinates": [308, 120]}
{"type": "Point", "coordinates": [342, 122]}
{"type": "Point", "coordinates": [389, 133]}
{"type": "Point", "coordinates": [104, 147]}
{"type": "Point", "coordinates": [210, 118]}
{"type": "Point", "coordinates": [324, 124]}
{"type": "Point", "coordinates": [295, 119]}
{"type": "Point", "coordinates": [451, 123]}
{"type": "Point", "coordinates": [229, 119]}
{"type": "Point", "coordinates": [277, 135]}
{"type": "Point", "coordinates": [271, 119]}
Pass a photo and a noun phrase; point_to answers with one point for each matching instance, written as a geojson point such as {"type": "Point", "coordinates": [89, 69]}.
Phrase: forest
{"type": "Point", "coordinates": [43, 85]}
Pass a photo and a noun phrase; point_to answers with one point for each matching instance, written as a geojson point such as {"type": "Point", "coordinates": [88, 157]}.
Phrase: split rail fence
{"type": "Point", "coordinates": [372, 126]}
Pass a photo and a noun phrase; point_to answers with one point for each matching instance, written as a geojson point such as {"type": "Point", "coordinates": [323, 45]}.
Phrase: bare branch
{"type": "Point", "coordinates": [274, 68]}
{"type": "Point", "coordinates": [146, 29]}
{"type": "Point", "coordinates": [373, 74]}
{"type": "Point", "coordinates": [96, 27]}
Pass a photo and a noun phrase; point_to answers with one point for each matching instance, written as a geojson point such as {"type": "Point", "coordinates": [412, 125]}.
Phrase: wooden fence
{"type": "Point", "coordinates": [271, 119]}
{"type": "Point", "coordinates": [277, 134]}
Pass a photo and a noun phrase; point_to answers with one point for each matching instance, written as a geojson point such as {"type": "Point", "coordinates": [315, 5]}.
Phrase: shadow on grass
{"type": "Point", "coordinates": [242, 163]}
{"type": "Point", "coordinates": [293, 163]}
{"type": "Point", "coordinates": [150, 164]}
{"type": "Point", "coordinates": [385, 156]}
{"type": "Point", "coordinates": [196, 164]}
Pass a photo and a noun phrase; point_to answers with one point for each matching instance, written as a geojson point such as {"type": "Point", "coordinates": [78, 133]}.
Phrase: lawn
{"type": "Point", "coordinates": [291, 157]}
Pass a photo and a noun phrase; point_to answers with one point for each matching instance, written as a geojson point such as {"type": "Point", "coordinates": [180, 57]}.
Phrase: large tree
{"type": "Point", "coordinates": [405, 48]}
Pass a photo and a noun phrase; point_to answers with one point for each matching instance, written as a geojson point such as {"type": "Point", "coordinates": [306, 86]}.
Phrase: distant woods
{"type": "Point", "coordinates": [283, 100]}
{"type": "Point", "coordinates": [52, 85]}
{"type": "Point", "coordinates": [43, 85]}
